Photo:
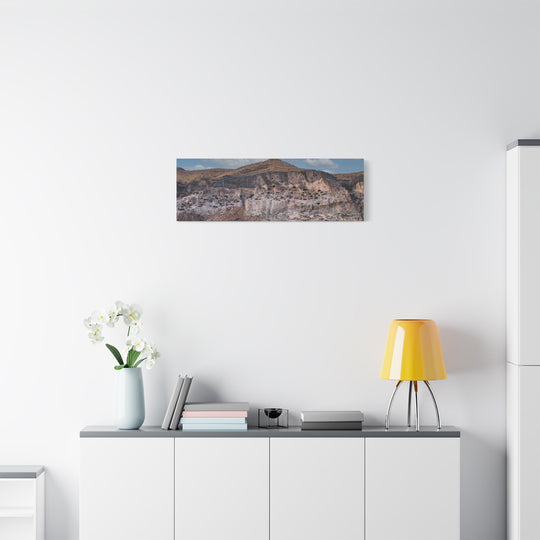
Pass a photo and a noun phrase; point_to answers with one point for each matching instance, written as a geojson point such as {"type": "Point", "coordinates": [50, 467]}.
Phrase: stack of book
{"type": "Point", "coordinates": [177, 402]}
{"type": "Point", "coordinates": [215, 417]}
{"type": "Point", "coordinates": [332, 419]}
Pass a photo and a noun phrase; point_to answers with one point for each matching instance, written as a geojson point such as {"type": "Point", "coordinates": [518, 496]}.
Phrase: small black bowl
{"type": "Point", "coordinates": [273, 413]}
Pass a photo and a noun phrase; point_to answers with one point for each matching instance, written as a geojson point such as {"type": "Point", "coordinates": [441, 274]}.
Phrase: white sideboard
{"type": "Point", "coordinates": [22, 502]}
{"type": "Point", "coordinates": [270, 484]}
{"type": "Point", "coordinates": [522, 342]}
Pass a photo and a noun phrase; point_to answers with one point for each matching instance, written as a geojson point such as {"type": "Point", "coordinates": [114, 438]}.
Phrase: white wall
{"type": "Point", "coordinates": [98, 100]}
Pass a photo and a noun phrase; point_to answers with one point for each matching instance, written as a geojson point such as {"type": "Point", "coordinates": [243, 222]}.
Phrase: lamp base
{"type": "Point", "coordinates": [412, 384]}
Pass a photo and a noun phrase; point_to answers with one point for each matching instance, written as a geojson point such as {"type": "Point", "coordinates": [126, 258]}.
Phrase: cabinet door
{"type": "Point", "coordinates": [127, 489]}
{"type": "Point", "coordinates": [221, 489]}
{"type": "Point", "coordinates": [317, 489]}
{"type": "Point", "coordinates": [412, 489]}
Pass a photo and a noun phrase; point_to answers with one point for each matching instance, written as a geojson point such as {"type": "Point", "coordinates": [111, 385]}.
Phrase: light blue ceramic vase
{"type": "Point", "coordinates": [129, 398]}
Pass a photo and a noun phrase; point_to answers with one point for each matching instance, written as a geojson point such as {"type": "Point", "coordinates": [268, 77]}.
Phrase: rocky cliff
{"type": "Point", "coordinates": [271, 190]}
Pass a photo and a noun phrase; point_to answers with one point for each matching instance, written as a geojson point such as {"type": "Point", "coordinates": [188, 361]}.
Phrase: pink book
{"type": "Point", "coordinates": [214, 414]}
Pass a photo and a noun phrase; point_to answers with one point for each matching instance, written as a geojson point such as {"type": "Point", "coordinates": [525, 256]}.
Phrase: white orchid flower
{"type": "Point", "coordinates": [89, 323]}
{"type": "Point", "coordinates": [100, 318]}
{"type": "Point", "coordinates": [136, 348]}
{"type": "Point", "coordinates": [152, 352]}
{"type": "Point", "coordinates": [135, 327]}
{"type": "Point", "coordinates": [137, 343]}
{"type": "Point", "coordinates": [121, 307]}
{"type": "Point", "coordinates": [95, 335]}
{"type": "Point", "coordinates": [112, 313]}
{"type": "Point", "coordinates": [149, 363]}
{"type": "Point", "coordinates": [132, 313]}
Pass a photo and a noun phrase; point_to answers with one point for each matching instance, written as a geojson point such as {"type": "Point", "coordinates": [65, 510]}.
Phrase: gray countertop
{"type": "Point", "coordinates": [21, 471]}
{"type": "Point", "coordinates": [523, 142]}
{"type": "Point", "coordinates": [368, 431]}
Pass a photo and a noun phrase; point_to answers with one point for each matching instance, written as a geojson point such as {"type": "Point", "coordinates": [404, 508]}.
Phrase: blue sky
{"type": "Point", "coordinates": [334, 166]}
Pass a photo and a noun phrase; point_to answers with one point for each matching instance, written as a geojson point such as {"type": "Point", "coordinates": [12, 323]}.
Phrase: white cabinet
{"type": "Point", "coordinates": [221, 488]}
{"type": "Point", "coordinates": [523, 338]}
{"type": "Point", "coordinates": [127, 489]}
{"type": "Point", "coordinates": [317, 488]}
{"type": "Point", "coordinates": [269, 485]}
{"type": "Point", "coordinates": [22, 503]}
{"type": "Point", "coordinates": [412, 489]}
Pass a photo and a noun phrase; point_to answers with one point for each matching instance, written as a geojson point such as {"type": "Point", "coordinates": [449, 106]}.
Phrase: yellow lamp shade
{"type": "Point", "coordinates": [413, 351]}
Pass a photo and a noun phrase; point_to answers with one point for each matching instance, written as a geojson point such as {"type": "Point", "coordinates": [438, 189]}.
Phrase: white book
{"type": "Point", "coordinates": [220, 406]}
{"type": "Point", "coordinates": [213, 420]}
{"type": "Point", "coordinates": [332, 416]}
{"type": "Point", "coordinates": [172, 403]}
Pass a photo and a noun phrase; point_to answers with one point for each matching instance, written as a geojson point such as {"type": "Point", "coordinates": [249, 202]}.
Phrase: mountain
{"type": "Point", "coordinates": [270, 190]}
{"type": "Point", "coordinates": [269, 165]}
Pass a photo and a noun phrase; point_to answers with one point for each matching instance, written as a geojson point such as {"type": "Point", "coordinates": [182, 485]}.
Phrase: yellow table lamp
{"type": "Point", "coordinates": [413, 353]}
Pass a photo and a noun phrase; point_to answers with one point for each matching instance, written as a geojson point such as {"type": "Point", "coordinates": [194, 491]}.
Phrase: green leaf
{"type": "Point", "coordinates": [119, 367]}
{"type": "Point", "coordinates": [132, 357]}
{"type": "Point", "coordinates": [139, 362]}
{"type": "Point", "coordinates": [116, 353]}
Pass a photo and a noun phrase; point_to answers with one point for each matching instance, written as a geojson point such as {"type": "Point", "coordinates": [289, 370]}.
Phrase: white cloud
{"type": "Point", "coordinates": [197, 167]}
{"type": "Point", "coordinates": [320, 163]}
{"type": "Point", "coordinates": [231, 163]}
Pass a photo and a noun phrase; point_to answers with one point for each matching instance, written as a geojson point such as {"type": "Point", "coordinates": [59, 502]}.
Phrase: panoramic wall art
{"type": "Point", "coordinates": [270, 190]}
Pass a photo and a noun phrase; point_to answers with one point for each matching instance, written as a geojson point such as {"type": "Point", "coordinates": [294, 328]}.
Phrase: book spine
{"type": "Point", "coordinates": [181, 402]}
{"type": "Point", "coordinates": [225, 421]}
{"type": "Point", "coordinates": [214, 427]}
{"type": "Point", "coordinates": [332, 425]}
{"type": "Point", "coordinates": [332, 416]}
{"type": "Point", "coordinates": [172, 403]}
{"type": "Point", "coordinates": [214, 414]}
{"type": "Point", "coordinates": [243, 406]}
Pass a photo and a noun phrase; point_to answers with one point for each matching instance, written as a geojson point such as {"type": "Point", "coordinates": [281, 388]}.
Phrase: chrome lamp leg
{"type": "Point", "coordinates": [434, 403]}
{"type": "Point", "coordinates": [412, 384]}
{"type": "Point", "coordinates": [387, 417]}
{"type": "Point", "coordinates": [409, 405]}
{"type": "Point", "coordinates": [415, 383]}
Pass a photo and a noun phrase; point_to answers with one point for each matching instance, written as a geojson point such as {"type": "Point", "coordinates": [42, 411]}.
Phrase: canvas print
{"type": "Point", "coordinates": [270, 190]}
